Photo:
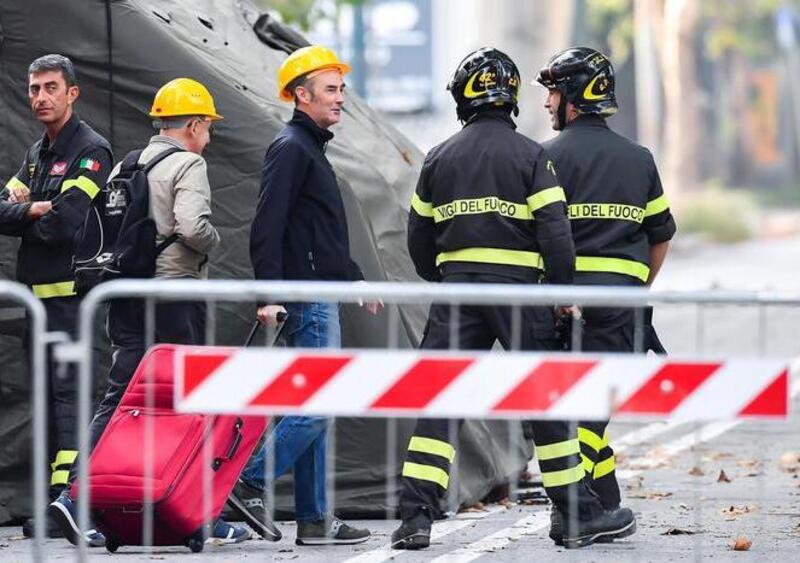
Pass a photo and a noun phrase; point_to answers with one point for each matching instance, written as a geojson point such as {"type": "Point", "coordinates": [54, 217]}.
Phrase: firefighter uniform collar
{"type": "Point", "coordinates": [321, 136]}
{"type": "Point", "coordinates": [64, 139]}
{"type": "Point", "coordinates": [588, 120]}
{"type": "Point", "coordinates": [491, 113]}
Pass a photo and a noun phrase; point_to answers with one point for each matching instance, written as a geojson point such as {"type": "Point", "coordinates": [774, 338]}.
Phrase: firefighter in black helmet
{"type": "Point", "coordinates": [488, 209]}
{"type": "Point", "coordinates": [620, 218]}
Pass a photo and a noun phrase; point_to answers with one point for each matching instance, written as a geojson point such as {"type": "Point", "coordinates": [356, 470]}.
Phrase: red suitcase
{"type": "Point", "coordinates": [116, 466]}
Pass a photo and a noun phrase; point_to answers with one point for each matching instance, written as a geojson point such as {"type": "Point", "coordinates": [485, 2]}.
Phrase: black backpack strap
{"type": "Point", "coordinates": [159, 157]}
{"type": "Point", "coordinates": [131, 160]}
{"type": "Point", "coordinates": [162, 246]}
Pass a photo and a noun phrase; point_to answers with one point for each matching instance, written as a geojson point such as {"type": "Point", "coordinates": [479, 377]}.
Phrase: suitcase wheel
{"type": "Point", "coordinates": [195, 545]}
{"type": "Point", "coordinates": [111, 545]}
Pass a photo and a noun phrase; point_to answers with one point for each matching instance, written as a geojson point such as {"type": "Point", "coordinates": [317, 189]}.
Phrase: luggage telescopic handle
{"type": "Point", "coordinates": [280, 317]}
{"type": "Point", "coordinates": [237, 441]}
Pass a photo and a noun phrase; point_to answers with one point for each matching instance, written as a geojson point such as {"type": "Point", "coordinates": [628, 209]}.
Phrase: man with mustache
{"type": "Point", "coordinates": [45, 204]}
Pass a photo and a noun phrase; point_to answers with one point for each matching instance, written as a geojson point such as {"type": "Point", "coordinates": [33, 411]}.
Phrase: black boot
{"type": "Point", "coordinates": [556, 526]}
{"type": "Point", "coordinates": [557, 529]}
{"type": "Point", "coordinates": [414, 533]}
{"type": "Point", "coordinates": [618, 523]}
{"type": "Point", "coordinates": [52, 529]}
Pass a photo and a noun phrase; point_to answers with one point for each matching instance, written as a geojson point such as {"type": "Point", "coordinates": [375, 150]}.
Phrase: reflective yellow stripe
{"type": "Point", "coordinates": [560, 449]}
{"type": "Point", "coordinates": [546, 197]}
{"type": "Point", "coordinates": [423, 208]}
{"type": "Point", "coordinates": [15, 184]}
{"type": "Point", "coordinates": [657, 205]}
{"type": "Point", "coordinates": [426, 473]}
{"type": "Point", "coordinates": [492, 256]}
{"type": "Point", "coordinates": [612, 265]}
{"type": "Point", "coordinates": [490, 204]}
{"type": "Point", "coordinates": [84, 184]}
{"type": "Point", "coordinates": [591, 439]}
{"type": "Point", "coordinates": [65, 457]}
{"type": "Point", "coordinates": [603, 468]}
{"type": "Point", "coordinates": [563, 477]}
{"type": "Point", "coordinates": [588, 464]}
{"type": "Point", "coordinates": [431, 446]}
{"type": "Point", "coordinates": [616, 211]}
{"type": "Point", "coordinates": [59, 289]}
{"type": "Point", "coordinates": [60, 477]}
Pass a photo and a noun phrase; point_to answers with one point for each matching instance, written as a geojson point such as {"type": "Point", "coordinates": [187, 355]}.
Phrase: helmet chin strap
{"type": "Point", "coordinates": [561, 113]}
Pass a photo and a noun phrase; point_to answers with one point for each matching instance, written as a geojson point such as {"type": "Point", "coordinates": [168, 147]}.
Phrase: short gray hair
{"type": "Point", "coordinates": [303, 80]}
{"type": "Point", "coordinates": [175, 122]}
{"type": "Point", "coordinates": [55, 62]}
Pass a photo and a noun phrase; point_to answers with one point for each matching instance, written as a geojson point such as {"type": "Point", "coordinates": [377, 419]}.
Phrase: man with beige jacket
{"type": "Point", "coordinates": [180, 204]}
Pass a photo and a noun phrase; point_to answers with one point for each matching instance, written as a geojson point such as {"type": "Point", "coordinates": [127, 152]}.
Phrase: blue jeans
{"type": "Point", "coordinates": [300, 442]}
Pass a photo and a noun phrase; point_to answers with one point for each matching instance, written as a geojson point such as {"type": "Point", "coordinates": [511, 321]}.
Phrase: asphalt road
{"type": "Point", "coordinates": [670, 472]}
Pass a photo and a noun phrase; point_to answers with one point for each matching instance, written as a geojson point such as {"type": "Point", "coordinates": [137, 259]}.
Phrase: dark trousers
{"type": "Point", "coordinates": [62, 393]}
{"type": "Point", "coordinates": [431, 450]}
{"type": "Point", "coordinates": [175, 323]}
{"type": "Point", "coordinates": [607, 329]}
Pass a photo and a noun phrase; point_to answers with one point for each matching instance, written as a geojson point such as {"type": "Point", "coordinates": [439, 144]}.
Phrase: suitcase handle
{"type": "Point", "coordinates": [281, 318]}
{"type": "Point", "coordinates": [237, 441]}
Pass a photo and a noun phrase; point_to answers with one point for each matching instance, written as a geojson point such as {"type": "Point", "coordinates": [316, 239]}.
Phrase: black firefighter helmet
{"type": "Point", "coordinates": [485, 76]}
{"type": "Point", "coordinates": [585, 77]}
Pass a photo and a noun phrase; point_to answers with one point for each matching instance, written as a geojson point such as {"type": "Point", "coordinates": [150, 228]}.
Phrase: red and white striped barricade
{"type": "Point", "coordinates": [463, 384]}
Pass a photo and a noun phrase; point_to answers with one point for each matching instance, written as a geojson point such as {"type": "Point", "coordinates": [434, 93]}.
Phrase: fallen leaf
{"type": "Point", "coordinates": [723, 477]}
{"type": "Point", "coordinates": [749, 463]}
{"type": "Point", "coordinates": [696, 472]}
{"type": "Point", "coordinates": [650, 495]}
{"type": "Point", "coordinates": [534, 501]}
{"type": "Point", "coordinates": [755, 474]}
{"type": "Point", "coordinates": [734, 512]}
{"type": "Point", "coordinates": [790, 462]}
{"type": "Point", "coordinates": [742, 543]}
{"type": "Point", "coordinates": [678, 532]}
{"type": "Point", "coordinates": [684, 506]}
{"type": "Point", "coordinates": [716, 456]}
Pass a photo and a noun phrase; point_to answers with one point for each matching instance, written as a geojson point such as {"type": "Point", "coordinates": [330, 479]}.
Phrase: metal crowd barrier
{"type": "Point", "coordinates": [394, 296]}
{"type": "Point", "coordinates": [37, 325]}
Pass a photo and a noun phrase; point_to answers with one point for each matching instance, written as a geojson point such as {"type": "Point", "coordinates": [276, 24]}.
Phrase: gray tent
{"type": "Point", "coordinates": [124, 50]}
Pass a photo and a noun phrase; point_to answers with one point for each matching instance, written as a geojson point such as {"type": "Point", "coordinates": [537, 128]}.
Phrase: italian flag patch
{"type": "Point", "coordinates": [90, 164]}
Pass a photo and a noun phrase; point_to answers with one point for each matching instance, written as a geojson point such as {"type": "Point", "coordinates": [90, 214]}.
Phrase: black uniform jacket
{"type": "Point", "coordinates": [300, 228]}
{"type": "Point", "coordinates": [69, 173]}
{"type": "Point", "coordinates": [488, 201]}
{"type": "Point", "coordinates": [617, 206]}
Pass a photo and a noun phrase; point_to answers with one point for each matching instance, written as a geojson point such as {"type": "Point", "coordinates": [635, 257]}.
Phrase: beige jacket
{"type": "Point", "coordinates": [180, 202]}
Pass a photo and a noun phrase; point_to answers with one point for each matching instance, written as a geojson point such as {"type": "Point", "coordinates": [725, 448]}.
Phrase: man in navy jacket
{"type": "Point", "coordinates": [300, 233]}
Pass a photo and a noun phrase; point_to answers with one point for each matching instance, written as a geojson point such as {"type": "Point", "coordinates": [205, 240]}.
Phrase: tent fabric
{"type": "Point", "coordinates": [123, 51]}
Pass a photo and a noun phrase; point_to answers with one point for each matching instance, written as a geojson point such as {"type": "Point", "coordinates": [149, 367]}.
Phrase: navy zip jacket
{"type": "Point", "coordinates": [300, 229]}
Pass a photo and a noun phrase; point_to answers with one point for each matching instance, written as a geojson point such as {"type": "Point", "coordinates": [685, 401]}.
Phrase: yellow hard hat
{"type": "Point", "coordinates": [305, 60]}
{"type": "Point", "coordinates": [183, 96]}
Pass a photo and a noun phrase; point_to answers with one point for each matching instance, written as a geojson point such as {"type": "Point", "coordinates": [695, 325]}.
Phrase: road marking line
{"type": "Point", "coordinates": [643, 434]}
{"type": "Point", "coordinates": [539, 520]}
{"type": "Point", "coordinates": [523, 527]}
{"type": "Point", "coordinates": [439, 530]}
{"type": "Point", "coordinates": [703, 434]}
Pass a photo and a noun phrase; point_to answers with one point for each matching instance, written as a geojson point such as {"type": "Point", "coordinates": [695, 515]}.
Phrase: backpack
{"type": "Point", "coordinates": [118, 237]}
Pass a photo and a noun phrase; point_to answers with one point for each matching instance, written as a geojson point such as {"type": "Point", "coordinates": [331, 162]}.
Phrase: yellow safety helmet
{"type": "Point", "coordinates": [305, 60]}
{"type": "Point", "coordinates": [183, 96]}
